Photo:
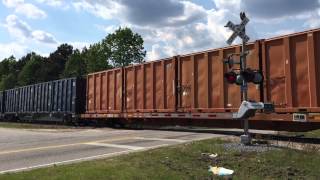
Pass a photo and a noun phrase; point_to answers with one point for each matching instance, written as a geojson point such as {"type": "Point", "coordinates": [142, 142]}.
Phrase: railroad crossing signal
{"type": "Point", "coordinates": [243, 76]}
{"type": "Point", "coordinates": [249, 75]}
{"type": "Point", "coordinates": [238, 29]}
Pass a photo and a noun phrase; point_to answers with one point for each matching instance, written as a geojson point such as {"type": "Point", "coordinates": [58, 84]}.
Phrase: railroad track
{"type": "Point", "coordinates": [259, 136]}
{"type": "Point", "coordinates": [255, 135]}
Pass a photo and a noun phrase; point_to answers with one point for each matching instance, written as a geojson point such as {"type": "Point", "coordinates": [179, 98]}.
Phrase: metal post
{"type": "Point", "coordinates": [245, 138]}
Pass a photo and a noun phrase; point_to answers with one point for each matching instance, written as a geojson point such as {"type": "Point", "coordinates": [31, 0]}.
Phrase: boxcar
{"type": "Point", "coordinates": [291, 65]}
{"type": "Point", "coordinates": [59, 100]}
{"type": "Point", "coordinates": [2, 101]}
{"type": "Point", "coordinates": [191, 89]}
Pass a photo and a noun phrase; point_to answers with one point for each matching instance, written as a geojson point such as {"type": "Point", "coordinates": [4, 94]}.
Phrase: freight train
{"type": "Point", "coordinates": [186, 90]}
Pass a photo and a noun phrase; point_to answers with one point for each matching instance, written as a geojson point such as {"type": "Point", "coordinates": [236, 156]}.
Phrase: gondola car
{"type": "Point", "coordinates": [59, 100]}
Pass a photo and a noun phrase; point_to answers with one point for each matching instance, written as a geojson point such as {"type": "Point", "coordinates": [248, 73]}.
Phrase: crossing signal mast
{"type": "Point", "coordinates": [242, 77]}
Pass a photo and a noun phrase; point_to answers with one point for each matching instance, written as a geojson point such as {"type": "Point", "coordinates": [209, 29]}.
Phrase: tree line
{"type": "Point", "coordinates": [120, 48]}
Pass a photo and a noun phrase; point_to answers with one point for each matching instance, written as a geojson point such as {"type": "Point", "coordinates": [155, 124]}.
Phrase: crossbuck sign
{"type": "Point", "coordinates": [238, 30]}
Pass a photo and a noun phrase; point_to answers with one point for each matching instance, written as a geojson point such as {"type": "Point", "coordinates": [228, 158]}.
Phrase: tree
{"type": "Point", "coordinates": [7, 66]}
{"type": "Point", "coordinates": [76, 65]}
{"type": "Point", "coordinates": [8, 81]}
{"type": "Point", "coordinates": [57, 60]}
{"type": "Point", "coordinates": [8, 73]}
{"type": "Point", "coordinates": [96, 57]}
{"type": "Point", "coordinates": [121, 48]}
{"type": "Point", "coordinates": [23, 61]}
{"type": "Point", "coordinates": [126, 47]}
{"type": "Point", "coordinates": [33, 72]}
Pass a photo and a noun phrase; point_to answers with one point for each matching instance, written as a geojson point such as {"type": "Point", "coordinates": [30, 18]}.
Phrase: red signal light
{"type": "Point", "coordinates": [231, 77]}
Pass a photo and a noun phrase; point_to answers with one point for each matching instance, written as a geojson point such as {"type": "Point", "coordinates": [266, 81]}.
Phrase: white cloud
{"type": "Point", "coordinates": [196, 36]}
{"type": "Point", "coordinates": [192, 13]}
{"type": "Point", "coordinates": [22, 31]}
{"type": "Point", "coordinates": [17, 28]}
{"type": "Point", "coordinates": [279, 33]}
{"type": "Point", "coordinates": [187, 27]}
{"type": "Point", "coordinates": [27, 9]}
{"type": "Point", "coordinates": [107, 29]}
{"type": "Point", "coordinates": [273, 9]}
{"type": "Point", "coordinates": [154, 53]}
{"type": "Point", "coordinates": [104, 9]}
{"type": "Point", "coordinates": [30, 11]}
{"type": "Point", "coordinates": [79, 45]}
{"type": "Point", "coordinates": [61, 4]}
{"type": "Point", "coordinates": [12, 3]}
{"type": "Point", "coordinates": [13, 48]}
{"type": "Point", "coordinates": [229, 4]}
{"type": "Point", "coordinates": [55, 3]}
{"type": "Point", "coordinates": [42, 36]}
{"type": "Point", "coordinates": [314, 20]}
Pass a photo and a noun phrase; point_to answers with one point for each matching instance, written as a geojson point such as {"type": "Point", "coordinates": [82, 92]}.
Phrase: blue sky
{"type": "Point", "coordinates": [169, 27]}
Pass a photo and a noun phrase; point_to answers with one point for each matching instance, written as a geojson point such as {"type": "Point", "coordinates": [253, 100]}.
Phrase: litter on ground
{"type": "Point", "coordinates": [220, 171]}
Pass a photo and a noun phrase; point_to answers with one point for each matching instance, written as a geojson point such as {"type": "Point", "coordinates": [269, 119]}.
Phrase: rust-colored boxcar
{"type": "Point", "coordinates": [201, 83]}
{"type": "Point", "coordinates": [150, 87]}
{"type": "Point", "coordinates": [193, 87]}
{"type": "Point", "coordinates": [291, 65]}
{"type": "Point", "coordinates": [104, 92]}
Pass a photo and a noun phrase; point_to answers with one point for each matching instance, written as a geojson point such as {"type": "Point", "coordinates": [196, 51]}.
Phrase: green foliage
{"type": "Point", "coordinates": [23, 61]}
{"type": "Point", "coordinates": [126, 47]}
{"type": "Point", "coordinates": [96, 57]}
{"type": "Point", "coordinates": [7, 65]}
{"type": "Point", "coordinates": [33, 71]}
{"type": "Point", "coordinates": [57, 61]}
{"type": "Point", "coordinates": [8, 81]}
{"type": "Point", "coordinates": [8, 73]}
{"type": "Point", "coordinates": [121, 48]}
{"type": "Point", "coordinates": [76, 65]}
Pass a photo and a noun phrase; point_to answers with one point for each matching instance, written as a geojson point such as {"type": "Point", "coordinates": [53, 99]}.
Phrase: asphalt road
{"type": "Point", "coordinates": [22, 149]}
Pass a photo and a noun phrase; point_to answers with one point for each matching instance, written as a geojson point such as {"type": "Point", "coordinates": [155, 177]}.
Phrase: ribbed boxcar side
{"type": "Point", "coordinates": [2, 102]}
{"type": "Point", "coordinates": [63, 94]}
{"type": "Point", "coordinates": [291, 66]}
{"type": "Point", "coordinates": [104, 92]}
{"type": "Point", "coordinates": [150, 87]}
{"type": "Point", "coordinates": [202, 87]}
{"type": "Point", "coordinates": [64, 97]}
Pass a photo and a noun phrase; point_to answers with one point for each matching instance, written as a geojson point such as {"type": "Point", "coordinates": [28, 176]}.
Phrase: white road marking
{"type": "Point", "coordinates": [124, 149]}
{"type": "Point", "coordinates": [80, 159]}
{"type": "Point", "coordinates": [162, 139]}
{"type": "Point", "coordinates": [115, 145]}
{"type": "Point", "coordinates": [66, 161]}
{"type": "Point", "coordinates": [59, 146]}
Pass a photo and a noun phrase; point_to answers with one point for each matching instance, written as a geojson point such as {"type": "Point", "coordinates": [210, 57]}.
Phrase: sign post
{"type": "Point", "coordinates": [240, 31]}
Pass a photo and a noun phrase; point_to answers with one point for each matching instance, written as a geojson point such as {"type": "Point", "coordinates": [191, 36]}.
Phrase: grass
{"type": "Point", "coordinates": [314, 133]}
{"type": "Point", "coordinates": [18, 125]}
{"type": "Point", "coordinates": [185, 162]}
{"type": "Point", "coordinates": [310, 134]}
